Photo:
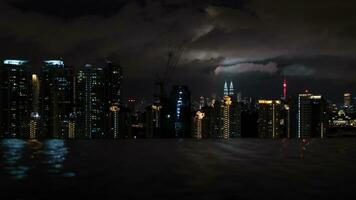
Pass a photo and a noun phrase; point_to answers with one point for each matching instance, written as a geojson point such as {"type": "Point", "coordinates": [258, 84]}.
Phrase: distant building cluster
{"type": "Point", "coordinates": [304, 115]}
{"type": "Point", "coordinates": [86, 103]}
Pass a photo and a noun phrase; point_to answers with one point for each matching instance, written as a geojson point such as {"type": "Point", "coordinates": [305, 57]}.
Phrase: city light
{"type": "Point", "coordinates": [14, 62]}
{"type": "Point", "coordinates": [269, 101]}
{"type": "Point", "coordinates": [54, 62]}
{"type": "Point", "coordinates": [34, 77]}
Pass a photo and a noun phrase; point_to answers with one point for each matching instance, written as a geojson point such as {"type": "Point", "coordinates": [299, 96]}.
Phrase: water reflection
{"type": "Point", "coordinates": [55, 152]}
{"type": "Point", "coordinates": [22, 158]}
{"type": "Point", "coordinates": [13, 150]}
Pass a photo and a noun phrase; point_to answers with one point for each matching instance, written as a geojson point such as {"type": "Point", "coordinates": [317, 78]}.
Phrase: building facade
{"type": "Point", "coordinates": [269, 119]}
{"type": "Point", "coordinates": [56, 98]}
{"type": "Point", "coordinates": [14, 92]}
{"type": "Point", "coordinates": [312, 116]}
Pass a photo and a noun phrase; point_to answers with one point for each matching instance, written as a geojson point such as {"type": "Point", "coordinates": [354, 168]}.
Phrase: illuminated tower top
{"type": "Point", "coordinates": [15, 62]}
{"type": "Point", "coordinates": [284, 88]}
{"type": "Point", "coordinates": [58, 63]}
{"type": "Point", "coordinates": [231, 89]}
{"type": "Point", "coordinates": [226, 90]}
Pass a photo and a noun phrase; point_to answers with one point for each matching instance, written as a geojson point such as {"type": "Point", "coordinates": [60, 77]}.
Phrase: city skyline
{"type": "Point", "coordinates": [87, 103]}
{"type": "Point", "coordinates": [177, 99]}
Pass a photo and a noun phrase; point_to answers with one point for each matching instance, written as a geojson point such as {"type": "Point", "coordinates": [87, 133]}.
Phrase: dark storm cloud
{"type": "Point", "coordinates": [240, 40]}
{"type": "Point", "coordinates": [70, 9]}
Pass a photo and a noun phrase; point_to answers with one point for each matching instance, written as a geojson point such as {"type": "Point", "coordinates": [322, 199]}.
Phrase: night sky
{"type": "Point", "coordinates": [253, 42]}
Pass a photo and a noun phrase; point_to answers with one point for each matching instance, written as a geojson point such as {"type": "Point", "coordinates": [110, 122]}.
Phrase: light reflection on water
{"type": "Point", "coordinates": [55, 151]}
{"type": "Point", "coordinates": [204, 169]}
{"type": "Point", "coordinates": [20, 157]}
{"type": "Point", "coordinates": [13, 150]}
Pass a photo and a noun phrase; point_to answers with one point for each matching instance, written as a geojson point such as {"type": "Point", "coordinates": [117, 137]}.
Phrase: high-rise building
{"type": "Point", "coordinates": [72, 129]}
{"type": "Point", "coordinates": [34, 131]}
{"type": "Point", "coordinates": [180, 117]}
{"type": "Point", "coordinates": [56, 93]}
{"type": "Point", "coordinates": [198, 125]}
{"type": "Point", "coordinates": [311, 116]}
{"type": "Point", "coordinates": [269, 119]}
{"type": "Point", "coordinates": [14, 92]}
{"type": "Point", "coordinates": [114, 121]}
{"type": "Point", "coordinates": [91, 102]}
{"type": "Point", "coordinates": [229, 90]}
{"type": "Point", "coordinates": [226, 89]}
{"type": "Point", "coordinates": [222, 119]}
{"type": "Point", "coordinates": [212, 123]}
{"type": "Point", "coordinates": [153, 120]}
{"type": "Point", "coordinates": [79, 106]}
{"type": "Point", "coordinates": [226, 116]}
{"type": "Point", "coordinates": [304, 115]}
{"type": "Point", "coordinates": [235, 119]}
{"type": "Point", "coordinates": [113, 87]}
{"type": "Point", "coordinates": [347, 100]}
{"type": "Point", "coordinates": [98, 96]}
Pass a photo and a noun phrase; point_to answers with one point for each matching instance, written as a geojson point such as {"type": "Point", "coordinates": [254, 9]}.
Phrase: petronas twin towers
{"type": "Point", "coordinates": [228, 91]}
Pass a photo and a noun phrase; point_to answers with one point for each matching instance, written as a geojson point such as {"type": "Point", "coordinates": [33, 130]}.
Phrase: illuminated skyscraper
{"type": "Point", "coordinates": [234, 128]}
{"type": "Point", "coordinates": [198, 126]}
{"type": "Point", "coordinates": [347, 100]}
{"type": "Point", "coordinates": [114, 122]}
{"type": "Point", "coordinates": [226, 116]}
{"type": "Point", "coordinates": [180, 118]}
{"type": "Point", "coordinates": [34, 128]}
{"type": "Point", "coordinates": [14, 95]}
{"type": "Point", "coordinates": [56, 94]}
{"type": "Point", "coordinates": [79, 105]}
{"type": "Point", "coordinates": [113, 84]}
{"type": "Point", "coordinates": [98, 100]}
{"type": "Point", "coordinates": [269, 119]}
{"type": "Point", "coordinates": [226, 89]}
{"type": "Point", "coordinates": [72, 129]}
{"type": "Point", "coordinates": [231, 89]}
{"type": "Point", "coordinates": [311, 116]}
{"type": "Point", "coordinates": [113, 77]}
{"type": "Point", "coordinates": [304, 127]}
{"type": "Point", "coordinates": [95, 105]}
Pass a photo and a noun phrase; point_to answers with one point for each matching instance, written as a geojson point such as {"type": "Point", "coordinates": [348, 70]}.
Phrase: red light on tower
{"type": "Point", "coordinates": [284, 88]}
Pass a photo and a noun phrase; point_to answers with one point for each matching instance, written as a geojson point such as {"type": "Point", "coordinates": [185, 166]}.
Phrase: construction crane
{"type": "Point", "coordinates": [173, 59]}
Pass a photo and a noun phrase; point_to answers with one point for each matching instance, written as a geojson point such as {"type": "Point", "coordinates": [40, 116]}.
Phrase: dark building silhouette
{"type": "Point", "coordinates": [90, 98]}
{"type": "Point", "coordinates": [270, 122]}
{"type": "Point", "coordinates": [153, 122]}
{"type": "Point", "coordinates": [56, 98]}
{"type": "Point", "coordinates": [212, 123]}
{"type": "Point", "coordinates": [34, 124]}
{"type": "Point", "coordinates": [249, 117]}
{"type": "Point", "coordinates": [113, 89]}
{"type": "Point", "coordinates": [98, 105]}
{"type": "Point", "coordinates": [14, 98]}
{"type": "Point", "coordinates": [312, 117]}
{"type": "Point", "coordinates": [235, 119]}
